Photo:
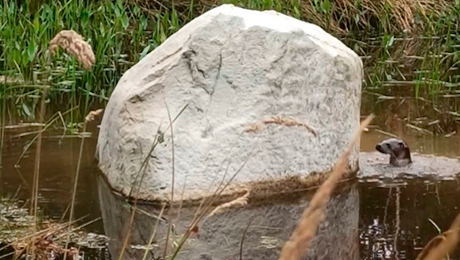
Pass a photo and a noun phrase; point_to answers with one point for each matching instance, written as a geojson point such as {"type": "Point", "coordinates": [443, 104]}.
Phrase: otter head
{"type": "Point", "coordinates": [397, 149]}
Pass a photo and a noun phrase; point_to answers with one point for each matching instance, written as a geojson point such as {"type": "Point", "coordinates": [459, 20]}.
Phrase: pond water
{"type": "Point", "coordinates": [395, 220]}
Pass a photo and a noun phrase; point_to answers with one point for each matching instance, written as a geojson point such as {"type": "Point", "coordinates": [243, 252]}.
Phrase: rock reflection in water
{"type": "Point", "coordinates": [273, 221]}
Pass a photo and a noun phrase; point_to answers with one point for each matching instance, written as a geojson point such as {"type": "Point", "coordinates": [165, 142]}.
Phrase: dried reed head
{"type": "Point", "coordinates": [74, 44]}
{"type": "Point", "coordinates": [93, 114]}
{"type": "Point", "coordinates": [296, 247]}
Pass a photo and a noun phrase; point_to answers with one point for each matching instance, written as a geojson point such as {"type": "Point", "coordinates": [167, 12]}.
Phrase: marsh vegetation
{"type": "Point", "coordinates": [410, 51]}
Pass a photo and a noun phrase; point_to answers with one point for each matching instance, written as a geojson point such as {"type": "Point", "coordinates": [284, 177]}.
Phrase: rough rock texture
{"type": "Point", "coordinates": [231, 68]}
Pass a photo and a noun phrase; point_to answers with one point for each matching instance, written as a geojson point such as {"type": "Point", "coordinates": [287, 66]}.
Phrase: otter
{"type": "Point", "coordinates": [397, 149]}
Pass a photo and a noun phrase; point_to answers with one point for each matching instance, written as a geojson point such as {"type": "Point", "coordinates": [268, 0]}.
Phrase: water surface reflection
{"type": "Point", "coordinates": [411, 211]}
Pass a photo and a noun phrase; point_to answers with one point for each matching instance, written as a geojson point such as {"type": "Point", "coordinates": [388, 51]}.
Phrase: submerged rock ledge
{"type": "Point", "coordinates": [374, 165]}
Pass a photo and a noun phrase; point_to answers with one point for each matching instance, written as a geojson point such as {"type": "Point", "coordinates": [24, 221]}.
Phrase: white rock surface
{"type": "Point", "coordinates": [232, 68]}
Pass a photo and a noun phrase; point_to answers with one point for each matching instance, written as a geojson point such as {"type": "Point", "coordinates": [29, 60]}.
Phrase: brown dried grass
{"type": "Point", "coordinates": [392, 15]}
{"type": "Point", "coordinates": [93, 114]}
{"type": "Point", "coordinates": [289, 122]}
{"type": "Point", "coordinates": [432, 244]}
{"type": "Point", "coordinates": [43, 244]}
{"type": "Point", "coordinates": [440, 246]}
{"type": "Point", "coordinates": [238, 202]}
{"type": "Point", "coordinates": [401, 10]}
{"type": "Point", "coordinates": [74, 44]}
{"type": "Point", "coordinates": [314, 214]}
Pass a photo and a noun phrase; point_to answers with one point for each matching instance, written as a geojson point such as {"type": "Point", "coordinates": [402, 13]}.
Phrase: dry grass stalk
{"type": "Point", "coordinates": [440, 246]}
{"type": "Point", "coordinates": [238, 202]}
{"type": "Point", "coordinates": [432, 244]}
{"type": "Point", "coordinates": [36, 179]}
{"type": "Point", "coordinates": [298, 243]}
{"type": "Point", "coordinates": [43, 244]}
{"type": "Point", "coordinates": [254, 128]}
{"type": "Point", "coordinates": [396, 15]}
{"type": "Point", "coordinates": [400, 12]}
{"type": "Point", "coordinates": [75, 45]}
{"type": "Point", "coordinates": [280, 121]}
{"type": "Point", "coordinates": [204, 206]}
{"type": "Point", "coordinates": [93, 114]}
{"type": "Point", "coordinates": [9, 80]}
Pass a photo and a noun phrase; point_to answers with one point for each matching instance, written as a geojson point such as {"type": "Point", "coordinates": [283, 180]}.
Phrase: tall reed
{"type": "Point", "coordinates": [314, 214]}
{"type": "Point", "coordinates": [74, 44]}
{"type": "Point", "coordinates": [119, 32]}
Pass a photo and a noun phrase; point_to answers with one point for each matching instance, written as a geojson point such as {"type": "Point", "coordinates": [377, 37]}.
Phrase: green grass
{"type": "Point", "coordinates": [120, 35]}
{"type": "Point", "coordinates": [123, 32]}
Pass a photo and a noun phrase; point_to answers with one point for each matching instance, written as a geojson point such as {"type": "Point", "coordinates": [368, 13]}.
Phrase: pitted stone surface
{"type": "Point", "coordinates": [220, 74]}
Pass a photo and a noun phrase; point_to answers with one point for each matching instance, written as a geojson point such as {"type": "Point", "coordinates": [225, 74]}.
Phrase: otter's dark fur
{"type": "Point", "coordinates": [397, 149]}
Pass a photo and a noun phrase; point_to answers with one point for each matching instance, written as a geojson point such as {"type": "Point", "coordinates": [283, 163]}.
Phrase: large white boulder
{"type": "Point", "coordinates": [231, 68]}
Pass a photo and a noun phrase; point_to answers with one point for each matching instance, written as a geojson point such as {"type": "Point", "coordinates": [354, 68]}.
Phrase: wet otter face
{"type": "Point", "coordinates": [397, 149]}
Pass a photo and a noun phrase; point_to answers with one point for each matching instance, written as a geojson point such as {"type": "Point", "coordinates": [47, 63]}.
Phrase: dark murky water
{"type": "Point", "coordinates": [57, 169]}
{"type": "Point", "coordinates": [411, 212]}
